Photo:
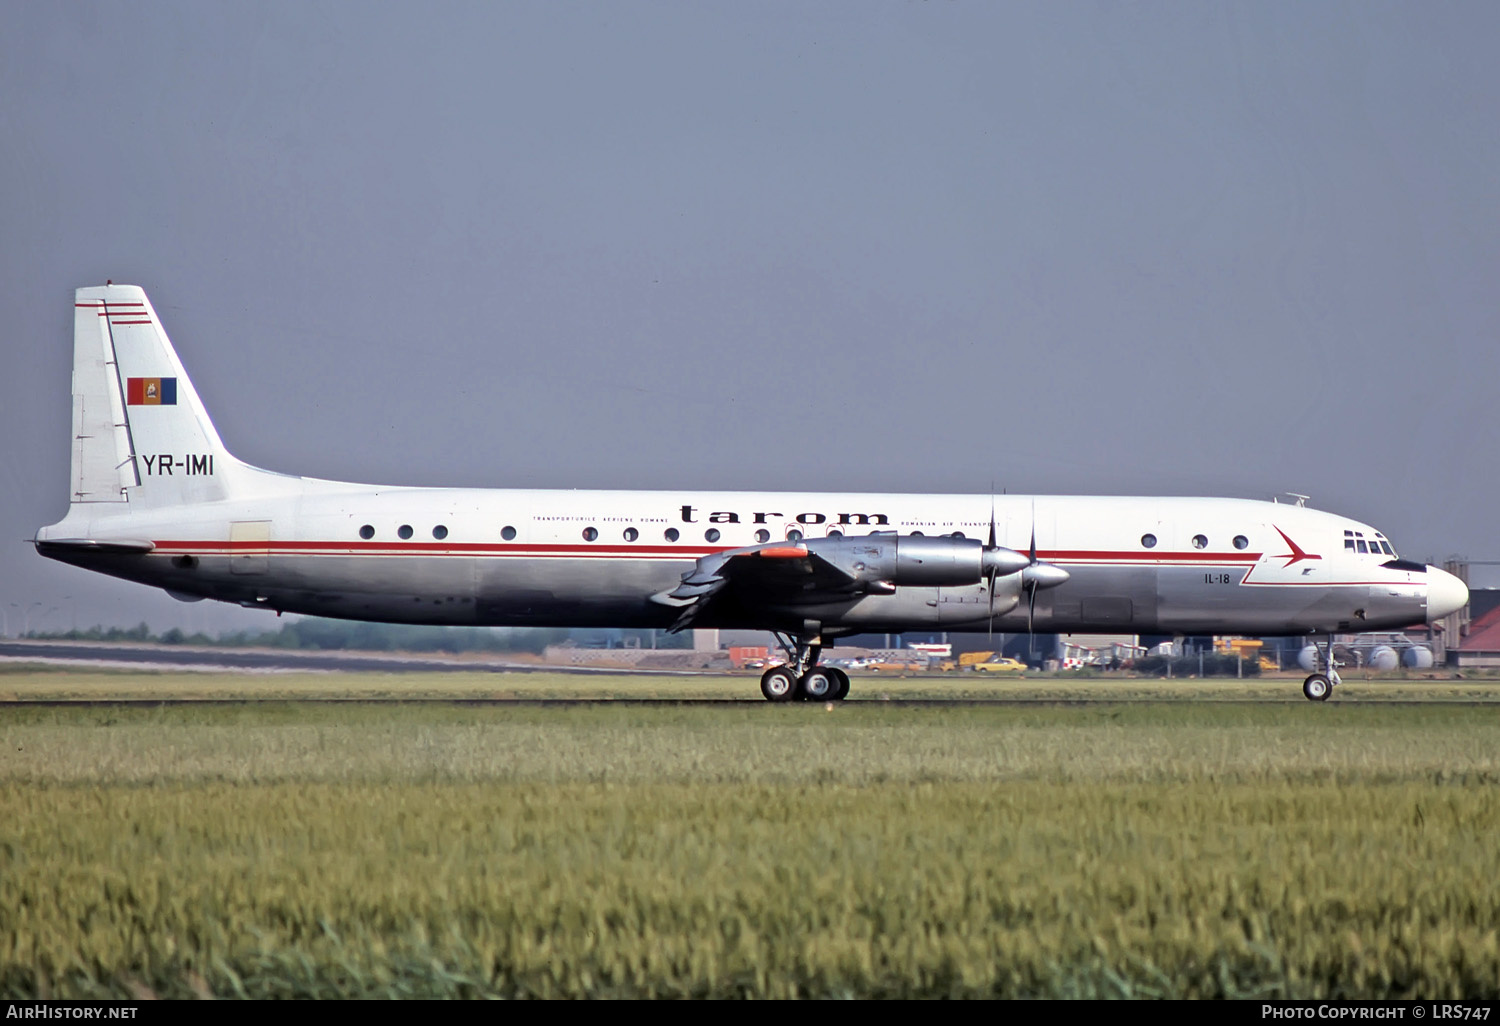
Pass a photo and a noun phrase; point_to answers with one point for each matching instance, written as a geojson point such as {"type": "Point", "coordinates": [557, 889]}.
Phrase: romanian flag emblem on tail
{"type": "Point", "coordinates": [151, 391]}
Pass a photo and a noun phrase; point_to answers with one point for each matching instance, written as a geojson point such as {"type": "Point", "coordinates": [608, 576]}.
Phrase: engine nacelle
{"type": "Point", "coordinates": [917, 561]}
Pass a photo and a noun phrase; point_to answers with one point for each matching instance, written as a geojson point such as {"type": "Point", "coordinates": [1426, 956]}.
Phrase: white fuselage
{"type": "Point", "coordinates": [587, 558]}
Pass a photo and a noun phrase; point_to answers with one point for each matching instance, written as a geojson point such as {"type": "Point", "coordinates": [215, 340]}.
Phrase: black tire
{"type": "Point", "coordinates": [778, 684]}
{"type": "Point", "coordinates": [1317, 688]}
{"type": "Point", "coordinates": [841, 680]}
{"type": "Point", "coordinates": [817, 685]}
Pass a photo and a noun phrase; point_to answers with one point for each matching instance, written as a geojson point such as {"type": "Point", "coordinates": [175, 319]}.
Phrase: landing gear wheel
{"type": "Point", "coordinates": [841, 684]}
{"type": "Point", "coordinates": [778, 684]}
{"type": "Point", "coordinates": [816, 685]}
{"type": "Point", "coordinates": [1317, 688]}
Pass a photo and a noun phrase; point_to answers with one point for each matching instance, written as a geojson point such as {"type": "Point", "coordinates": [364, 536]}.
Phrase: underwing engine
{"type": "Point", "coordinates": [883, 562]}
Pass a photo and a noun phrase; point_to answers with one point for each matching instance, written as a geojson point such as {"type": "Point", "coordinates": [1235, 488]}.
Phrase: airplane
{"type": "Point", "coordinates": [156, 498]}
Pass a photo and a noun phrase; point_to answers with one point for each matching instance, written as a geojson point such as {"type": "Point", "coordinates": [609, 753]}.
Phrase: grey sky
{"type": "Point", "coordinates": [1122, 248]}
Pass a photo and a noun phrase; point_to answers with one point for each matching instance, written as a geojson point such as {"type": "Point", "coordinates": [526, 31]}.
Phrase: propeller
{"type": "Point", "coordinates": [1002, 562]}
{"type": "Point", "coordinates": [998, 562]}
{"type": "Point", "coordinates": [1035, 576]}
{"type": "Point", "coordinates": [994, 570]}
{"type": "Point", "coordinates": [1029, 581]}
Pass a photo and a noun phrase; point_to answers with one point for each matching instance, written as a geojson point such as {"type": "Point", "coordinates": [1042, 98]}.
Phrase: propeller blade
{"type": "Point", "coordinates": [991, 620]}
{"type": "Point", "coordinates": [992, 606]}
{"type": "Point", "coordinates": [1030, 615]}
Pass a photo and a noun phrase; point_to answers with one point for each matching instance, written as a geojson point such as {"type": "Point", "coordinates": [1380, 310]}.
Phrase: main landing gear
{"type": "Point", "coordinates": [1319, 686]}
{"type": "Point", "coordinates": [800, 678]}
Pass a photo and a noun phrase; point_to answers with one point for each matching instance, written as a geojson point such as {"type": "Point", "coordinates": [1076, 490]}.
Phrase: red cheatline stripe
{"type": "Point", "coordinates": [645, 551]}
{"type": "Point", "coordinates": [117, 323]}
{"type": "Point", "coordinates": [417, 548]}
{"type": "Point", "coordinates": [107, 302]}
{"type": "Point", "coordinates": [1314, 584]}
{"type": "Point", "coordinates": [1151, 557]}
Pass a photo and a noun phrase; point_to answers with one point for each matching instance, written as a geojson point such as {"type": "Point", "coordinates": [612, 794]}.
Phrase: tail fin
{"type": "Point", "coordinates": [140, 433]}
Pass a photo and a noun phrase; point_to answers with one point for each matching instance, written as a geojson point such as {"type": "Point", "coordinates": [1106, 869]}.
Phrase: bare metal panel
{"type": "Point", "coordinates": [250, 559]}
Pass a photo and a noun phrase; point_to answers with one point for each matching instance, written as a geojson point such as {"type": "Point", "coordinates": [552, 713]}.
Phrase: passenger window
{"type": "Point", "coordinates": [367, 532]}
{"type": "Point", "coordinates": [1241, 542]}
{"type": "Point", "coordinates": [840, 534]}
{"type": "Point", "coordinates": [508, 533]}
{"type": "Point", "coordinates": [403, 532]}
{"type": "Point", "coordinates": [762, 535]}
{"type": "Point", "coordinates": [794, 535]}
{"type": "Point", "coordinates": [671, 534]}
{"type": "Point", "coordinates": [1148, 541]}
{"type": "Point", "coordinates": [1200, 541]}
{"type": "Point", "coordinates": [590, 533]}
{"type": "Point", "coordinates": [712, 534]}
{"type": "Point", "coordinates": [631, 534]}
{"type": "Point", "coordinates": [440, 532]}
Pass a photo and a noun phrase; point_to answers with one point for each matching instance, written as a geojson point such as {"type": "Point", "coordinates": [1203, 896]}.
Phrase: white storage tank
{"type": "Point", "coordinates": [1418, 657]}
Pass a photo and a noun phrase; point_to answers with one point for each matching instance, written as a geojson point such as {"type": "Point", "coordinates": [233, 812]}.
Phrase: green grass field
{"type": "Point", "coordinates": [1135, 848]}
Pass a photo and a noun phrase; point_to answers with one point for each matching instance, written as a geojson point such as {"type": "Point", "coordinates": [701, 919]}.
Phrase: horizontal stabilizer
{"type": "Point", "coordinates": [90, 545]}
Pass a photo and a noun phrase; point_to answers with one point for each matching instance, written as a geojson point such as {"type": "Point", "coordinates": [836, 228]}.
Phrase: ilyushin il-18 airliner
{"type": "Point", "coordinates": [157, 499]}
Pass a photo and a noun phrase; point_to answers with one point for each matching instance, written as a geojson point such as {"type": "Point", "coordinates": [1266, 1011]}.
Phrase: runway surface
{"type": "Point", "coordinates": [187, 657]}
{"type": "Point", "coordinates": [165, 675]}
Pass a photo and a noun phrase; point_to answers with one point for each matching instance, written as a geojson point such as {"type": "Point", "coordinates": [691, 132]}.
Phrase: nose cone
{"type": "Point", "coordinates": [1003, 561]}
{"type": "Point", "coordinates": [1445, 594]}
{"type": "Point", "coordinates": [1044, 575]}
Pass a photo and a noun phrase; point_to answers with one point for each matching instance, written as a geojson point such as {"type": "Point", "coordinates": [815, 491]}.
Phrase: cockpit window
{"type": "Point", "coordinates": [1354, 541]}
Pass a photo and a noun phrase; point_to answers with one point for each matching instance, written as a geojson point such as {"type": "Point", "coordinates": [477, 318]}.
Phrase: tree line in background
{"type": "Point", "coordinates": [313, 634]}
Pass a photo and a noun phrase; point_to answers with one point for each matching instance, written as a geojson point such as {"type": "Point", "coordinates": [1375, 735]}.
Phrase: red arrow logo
{"type": "Point", "coordinates": [1296, 555]}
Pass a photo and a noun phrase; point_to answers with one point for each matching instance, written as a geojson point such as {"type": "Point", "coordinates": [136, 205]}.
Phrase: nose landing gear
{"type": "Point", "coordinates": [1319, 686]}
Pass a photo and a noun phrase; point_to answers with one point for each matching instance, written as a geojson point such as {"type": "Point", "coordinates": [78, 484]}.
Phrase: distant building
{"type": "Point", "coordinates": [1482, 601]}
{"type": "Point", "coordinates": [1100, 650]}
{"type": "Point", "coordinates": [1482, 646]}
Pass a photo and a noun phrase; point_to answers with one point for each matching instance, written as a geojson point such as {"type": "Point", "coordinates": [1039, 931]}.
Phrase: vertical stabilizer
{"type": "Point", "coordinates": [102, 466]}
{"type": "Point", "coordinates": [140, 433]}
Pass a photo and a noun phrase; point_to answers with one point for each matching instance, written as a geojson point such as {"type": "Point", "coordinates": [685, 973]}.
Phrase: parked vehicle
{"type": "Point", "coordinates": [1002, 664]}
{"type": "Point", "coordinates": [896, 666]}
{"type": "Point", "coordinates": [965, 661]}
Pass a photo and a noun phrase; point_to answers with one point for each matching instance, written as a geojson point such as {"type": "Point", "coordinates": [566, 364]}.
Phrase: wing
{"type": "Point", "coordinates": [772, 574]}
{"type": "Point", "coordinates": [781, 575]}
